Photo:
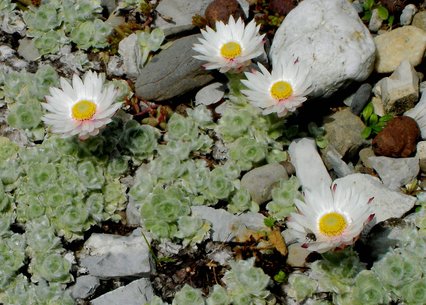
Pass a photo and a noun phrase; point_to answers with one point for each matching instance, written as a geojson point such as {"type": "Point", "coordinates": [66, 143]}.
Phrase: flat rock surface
{"type": "Point", "coordinates": [172, 72]}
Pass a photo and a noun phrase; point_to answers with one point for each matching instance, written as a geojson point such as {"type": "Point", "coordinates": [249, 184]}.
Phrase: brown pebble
{"type": "Point", "coordinates": [398, 139]}
{"type": "Point", "coordinates": [282, 7]}
{"type": "Point", "coordinates": [221, 10]}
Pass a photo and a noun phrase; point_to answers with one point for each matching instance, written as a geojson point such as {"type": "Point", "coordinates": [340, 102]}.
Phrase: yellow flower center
{"type": "Point", "coordinates": [281, 90]}
{"type": "Point", "coordinates": [332, 224]}
{"type": "Point", "coordinates": [83, 110]}
{"type": "Point", "coordinates": [230, 50]}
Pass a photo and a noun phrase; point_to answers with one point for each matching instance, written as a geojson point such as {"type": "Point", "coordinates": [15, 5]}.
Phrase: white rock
{"type": "Point", "coordinates": [176, 15]}
{"type": "Point", "coordinates": [111, 256]}
{"type": "Point", "coordinates": [379, 107]}
{"type": "Point", "coordinates": [115, 66]}
{"type": "Point", "coordinates": [400, 91]}
{"type": "Point", "coordinates": [226, 226]}
{"type": "Point", "coordinates": [210, 94]}
{"type": "Point", "coordinates": [386, 203]}
{"type": "Point", "coordinates": [421, 154]}
{"type": "Point", "coordinates": [297, 255]}
{"type": "Point", "coordinates": [328, 37]}
{"type": "Point", "coordinates": [136, 293]}
{"type": "Point", "coordinates": [129, 51]}
{"type": "Point", "coordinates": [419, 114]}
{"type": "Point", "coordinates": [12, 23]}
{"type": "Point", "coordinates": [395, 172]}
{"type": "Point", "coordinates": [375, 22]}
{"type": "Point", "coordinates": [6, 52]}
{"type": "Point", "coordinates": [310, 169]}
{"type": "Point", "coordinates": [245, 6]}
{"type": "Point", "coordinates": [407, 14]}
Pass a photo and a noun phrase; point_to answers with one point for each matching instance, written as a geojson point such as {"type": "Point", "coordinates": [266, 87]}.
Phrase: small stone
{"type": "Point", "coordinates": [375, 22]}
{"type": "Point", "coordinates": [297, 255]}
{"type": "Point", "coordinates": [419, 20]}
{"type": "Point", "coordinates": [340, 167]}
{"type": "Point", "coordinates": [421, 154]}
{"type": "Point", "coordinates": [407, 14]}
{"type": "Point", "coordinates": [400, 91]}
{"type": "Point", "coordinates": [378, 106]}
{"type": "Point", "coordinates": [398, 139]}
{"type": "Point", "coordinates": [227, 226]}
{"type": "Point", "coordinates": [84, 286]}
{"type": "Point", "coordinates": [361, 98]}
{"type": "Point", "coordinates": [282, 7]}
{"type": "Point", "coordinates": [364, 154]}
{"type": "Point", "coordinates": [260, 181]}
{"type": "Point", "coordinates": [407, 42]}
{"type": "Point", "coordinates": [175, 16]}
{"type": "Point", "coordinates": [343, 129]}
{"type": "Point", "coordinates": [111, 256]}
{"type": "Point", "coordinates": [210, 94]}
{"type": "Point", "coordinates": [221, 10]}
{"type": "Point", "coordinates": [395, 172]}
{"type": "Point", "coordinates": [6, 52]}
{"type": "Point", "coordinates": [136, 293]}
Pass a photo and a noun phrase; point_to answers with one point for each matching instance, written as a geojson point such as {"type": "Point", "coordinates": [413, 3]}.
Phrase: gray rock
{"type": "Point", "coordinates": [361, 98]}
{"type": "Point", "coordinates": [330, 39]}
{"type": "Point", "coordinates": [260, 181]}
{"type": "Point", "coordinates": [136, 293]}
{"type": "Point", "coordinates": [172, 72]}
{"type": "Point", "coordinates": [226, 226]}
{"type": "Point", "coordinates": [375, 22]}
{"type": "Point", "coordinates": [111, 256]}
{"type": "Point", "coordinates": [400, 91]}
{"type": "Point", "coordinates": [404, 43]}
{"type": "Point", "coordinates": [421, 154]}
{"type": "Point", "coordinates": [419, 20]}
{"type": "Point", "coordinates": [176, 15]}
{"type": "Point", "coordinates": [28, 50]}
{"type": "Point", "coordinates": [339, 166]}
{"type": "Point", "coordinates": [6, 52]}
{"type": "Point", "coordinates": [407, 14]}
{"type": "Point", "coordinates": [84, 286]}
{"type": "Point", "coordinates": [395, 172]}
{"type": "Point", "coordinates": [343, 132]}
{"type": "Point", "coordinates": [386, 203]}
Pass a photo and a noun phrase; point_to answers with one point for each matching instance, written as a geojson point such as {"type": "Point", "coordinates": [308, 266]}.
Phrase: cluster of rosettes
{"type": "Point", "coordinates": [56, 22]}
{"type": "Point", "coordinates": [178, 177]}
{"type": "Point", "coordinates": [23, 92]}
{"type": "Point", "coordinates": [245, 284]}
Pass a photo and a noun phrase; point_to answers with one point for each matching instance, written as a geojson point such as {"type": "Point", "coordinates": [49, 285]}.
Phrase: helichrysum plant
{"type": "Point", "coordinates": [231, 47]}
{"type": "Point", "coordinates": [281, 91]}
{"type": "Point", "coordinates": [301, 286]}
{"type": "Point", "coordinates": [83, 108]}
{"type": "Point", "coordinates": [337, 220]}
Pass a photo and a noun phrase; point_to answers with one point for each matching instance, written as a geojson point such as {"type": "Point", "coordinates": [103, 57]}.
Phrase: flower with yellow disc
{"type": "Point", "coordinates": [329, 218]}
{"type": "Point", "coordinates": [231, 46]}
{"type": "Point", "coordinates": [281, 91]}
{"type": "Point", "coordinates": [81, 109]}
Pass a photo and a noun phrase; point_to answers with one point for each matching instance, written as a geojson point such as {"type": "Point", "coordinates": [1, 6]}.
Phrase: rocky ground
{"type": "Point", "coordinates": [366, 113]}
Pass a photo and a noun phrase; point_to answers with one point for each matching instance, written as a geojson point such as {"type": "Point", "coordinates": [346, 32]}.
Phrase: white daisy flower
{"type": "Point", "coordinates": [330, 218]}
{"type": "Point", "coordinates": [231, 47]}
{"type": "Point", "coordinates": [281, 91]}
{"type": "Point", "coordinates": [81, 109]}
